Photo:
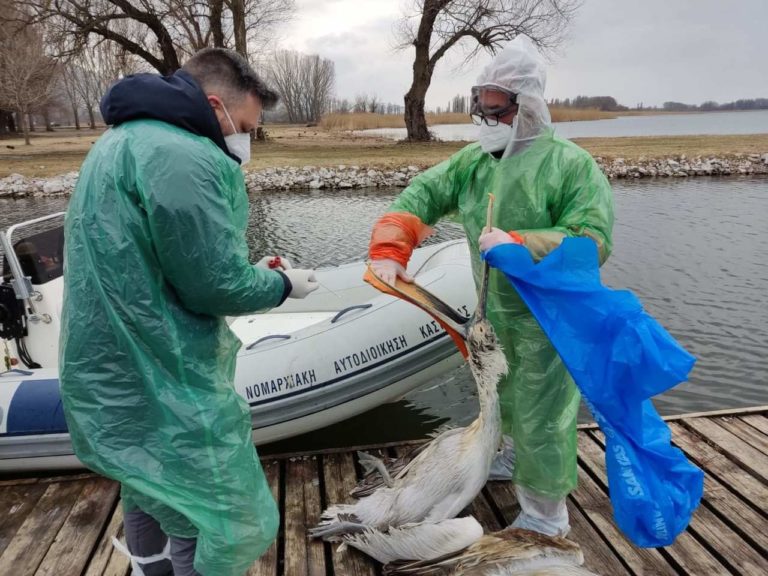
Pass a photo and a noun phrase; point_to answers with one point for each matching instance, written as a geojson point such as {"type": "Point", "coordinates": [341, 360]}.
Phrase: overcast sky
{"type": "Point", "coordinates": [648, 51]}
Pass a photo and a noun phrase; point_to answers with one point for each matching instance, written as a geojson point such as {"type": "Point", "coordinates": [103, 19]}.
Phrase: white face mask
{"type": "Point", "coordinates": [238, 143]}
{"type": "Point", "coordinates": [494, 138]}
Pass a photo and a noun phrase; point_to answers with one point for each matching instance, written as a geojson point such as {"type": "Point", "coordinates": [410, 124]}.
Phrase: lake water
{"type": "Point", "coordinates": [748, 122]}
{"type": "Point", "coordinates": [694, 250]}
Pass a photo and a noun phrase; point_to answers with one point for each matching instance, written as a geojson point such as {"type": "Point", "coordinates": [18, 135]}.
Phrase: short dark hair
{"type": "Point", "coordinates": [228, 73]}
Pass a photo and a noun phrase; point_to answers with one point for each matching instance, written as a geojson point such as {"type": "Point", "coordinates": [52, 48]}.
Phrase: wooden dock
{"type": "Point", "coordinates": [64, 525]}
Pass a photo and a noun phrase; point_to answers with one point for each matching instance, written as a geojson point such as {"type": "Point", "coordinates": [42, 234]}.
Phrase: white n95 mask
{"type": "Point", "coordinates": [494, 138]}
{"type": "Point", "coordinates": [238, 143]}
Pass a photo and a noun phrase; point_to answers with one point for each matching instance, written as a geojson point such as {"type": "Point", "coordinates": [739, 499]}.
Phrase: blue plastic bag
{"type": "Point", "coordinates": [619, 357]}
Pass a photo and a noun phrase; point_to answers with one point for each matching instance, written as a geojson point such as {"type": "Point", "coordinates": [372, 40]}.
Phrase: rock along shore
{"type": "Point", "coordinates": [347, 177]}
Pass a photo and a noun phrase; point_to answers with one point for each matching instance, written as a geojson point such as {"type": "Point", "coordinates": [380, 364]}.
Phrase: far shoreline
{"type": "Point", "coordinates": [290, 149]}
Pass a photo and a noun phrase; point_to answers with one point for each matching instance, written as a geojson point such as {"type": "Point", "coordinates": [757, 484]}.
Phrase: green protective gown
{"type": "Point", "coordinates": [155, 258]}
{"type": "Point", "coordinates": [550, 190]}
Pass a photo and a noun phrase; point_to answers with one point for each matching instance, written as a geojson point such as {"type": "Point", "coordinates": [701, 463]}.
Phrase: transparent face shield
{"type": "Point", "coordinates": [489, 103]}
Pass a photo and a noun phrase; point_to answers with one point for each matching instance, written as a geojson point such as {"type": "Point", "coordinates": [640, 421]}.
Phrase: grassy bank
{"type": "Point", "coordinates": [60, 152]}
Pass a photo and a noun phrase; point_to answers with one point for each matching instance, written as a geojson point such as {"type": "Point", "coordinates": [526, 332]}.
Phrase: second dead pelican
{"type": "Point", "coordinates": [509, 552]}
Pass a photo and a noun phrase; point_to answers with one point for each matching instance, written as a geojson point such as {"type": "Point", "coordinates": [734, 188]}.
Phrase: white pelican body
{"type": "Point", "coordinates": [448, 473]}
{"type": "Point", "coordinates": [423, 541]}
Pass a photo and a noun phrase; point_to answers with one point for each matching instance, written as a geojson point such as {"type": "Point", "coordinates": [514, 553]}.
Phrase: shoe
{"type": "Point", "coordinates": [541, 514]}
{"type": "Point", "coordinates": [503, 464]}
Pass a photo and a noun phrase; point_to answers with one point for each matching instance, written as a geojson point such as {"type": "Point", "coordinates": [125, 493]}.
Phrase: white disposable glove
{"type": "Point", "coordinates": [497, 236]}
{"type": "Point", "coordinates": [302, 282]}
{"type": "Point", "coordinates": [274, 263]}
{"type": "Point", "coordinates": [389, 270]}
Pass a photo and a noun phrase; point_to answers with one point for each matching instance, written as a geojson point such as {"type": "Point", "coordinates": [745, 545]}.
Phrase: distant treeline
{"type": "Point", "coordinates": [709, 105]}
{"type": "Point", "coordinates": [605, 103]}
{"type": "Point", "coordinates": [609, 104]}
{"type": "Point", "coordinates": [460, 104]}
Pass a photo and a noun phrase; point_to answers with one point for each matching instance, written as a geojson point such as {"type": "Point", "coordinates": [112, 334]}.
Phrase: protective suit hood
{"type": "Point", "coordinates": [175, 99]}
{"type": "Point", "coordinates": [519, 68]}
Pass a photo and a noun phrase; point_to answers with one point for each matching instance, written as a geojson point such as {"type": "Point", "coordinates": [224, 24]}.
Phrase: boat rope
{"type": "Point", "coordinates": [21, 347]}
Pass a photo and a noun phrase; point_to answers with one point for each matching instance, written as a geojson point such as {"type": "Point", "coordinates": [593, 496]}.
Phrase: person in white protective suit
{"type": "Point", "coordinates": [546, 189]}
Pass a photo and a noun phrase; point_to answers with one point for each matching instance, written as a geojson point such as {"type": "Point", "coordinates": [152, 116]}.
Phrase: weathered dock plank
{"type": "Point", "coordinates": [77, 537]}
{"type": "Point", "coordinates": [726, 545]}
{"type": "Point", "coordinates": [740, 517]}
{"type": "Point", "coordinates": [690, 555]}
{"type": "Point", "coordinates": [503, 496]}
{"type": "Point", "coordinates": [29, 546]}
{"type": "Point", "coordinates": [104, 551]}
{"type": "Point", "coordinates": [758, 421]}
{"type": "Point", "coordinates": [16, 502]}
{"type": "Point", "coordinates": [303, 556]}
{"type": "Point", "coordinates": [732, 446]}
{"type": "Point", "coordinates": [598, 556]}
{"type": "Point", "coordinates": [744, 485]}
{"type": "Point", "coordinates": [482, 510]}
{"type": "Point", "coordinates": [745, 432]}
{"type": "Point", "coordinates": [592, 500]}
{"type": "Point", "coordinates": [64, 524]}
{"type": "Point", "coordinates": [268, 563]}
{"type": "Point", "coordinates": [340, 478]}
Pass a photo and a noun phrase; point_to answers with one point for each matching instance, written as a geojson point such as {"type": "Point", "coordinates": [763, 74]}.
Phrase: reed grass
{"type": "Point", "coordinates": [368, 121]}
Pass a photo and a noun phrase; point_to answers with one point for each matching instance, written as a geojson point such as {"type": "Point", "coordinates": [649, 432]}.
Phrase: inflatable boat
{"type": "Point", "coordinates": [309, 363]}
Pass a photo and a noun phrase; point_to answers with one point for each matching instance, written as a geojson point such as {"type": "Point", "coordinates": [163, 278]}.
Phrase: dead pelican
{"type": "Point", "coordinates": [450, 470]}
{"type": "Point", "coordinates": [505, 553]}
{"type": "Point", "coordinates": [423, 541]}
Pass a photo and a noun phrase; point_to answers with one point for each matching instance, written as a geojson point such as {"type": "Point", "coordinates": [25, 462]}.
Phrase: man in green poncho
{"type": "Point", "coordinates": [156, 258]}
{"type": "Point", "coordinates": [546, 188]}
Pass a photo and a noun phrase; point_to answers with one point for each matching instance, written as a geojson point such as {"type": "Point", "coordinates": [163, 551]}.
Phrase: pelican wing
{"type": "Point", "coordinates": [554, 570]}
{"type": "Point", "coordinates": [422, 541]}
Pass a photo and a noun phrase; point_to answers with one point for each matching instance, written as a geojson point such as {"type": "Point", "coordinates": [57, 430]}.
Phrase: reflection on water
{"type": "Point", "coordinates": [320, 228]}
{"type": "Point", "coordinates": [694, 250]}
{"type": "Point", "coordinates": [696, 253]}
{"type": "Point", "coordinates": [747, 122]}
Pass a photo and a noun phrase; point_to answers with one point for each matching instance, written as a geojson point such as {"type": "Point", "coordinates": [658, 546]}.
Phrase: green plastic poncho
{"type": "Point", "coordinates": [546, 188]}
{"type": "Point", "coordinates": [155, 258]}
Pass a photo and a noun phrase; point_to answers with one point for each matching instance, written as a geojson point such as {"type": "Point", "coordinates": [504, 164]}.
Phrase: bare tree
{"type": "Point", "coordinates": [26, 72]}
{"type": "Point", "coordinates": [160, 32]}
{"type": "Point", "coordinates": [435, 26]}
{"type": "Point", "coordinates": [304, 82]}
{"type": "Point", "coordinates": [68, 85]}
{"type": "Point", "coordinates": [459, 104]}
{"type": "Point", "coordinates": [361, 103]}
{"type": "Point", "coordinates": [318, 79]}
{"type": "Point", "coordinates": [373, 104]}
{"type": "Point", "coordinates": [283, 70]}
{"type": "Point", "coordinates": [87, 85]}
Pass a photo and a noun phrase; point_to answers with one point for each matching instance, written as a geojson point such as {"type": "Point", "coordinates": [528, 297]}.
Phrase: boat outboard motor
{"type": "Point", "coordinates": [12, 318]}
{"type": "Point", "coordinates": [13, 314]}
{"type": "Point", "coordinates": [13, 325]}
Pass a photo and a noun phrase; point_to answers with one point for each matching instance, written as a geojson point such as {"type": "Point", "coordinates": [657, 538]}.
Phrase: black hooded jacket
{"type": "Point", "coordinates": [175, 99]}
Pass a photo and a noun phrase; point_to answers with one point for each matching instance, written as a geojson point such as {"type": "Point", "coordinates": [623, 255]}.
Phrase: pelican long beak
{"type": "Point", "coordinates": [454, 323]}
{"type": "Point", "coordinates": [482, 296]}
